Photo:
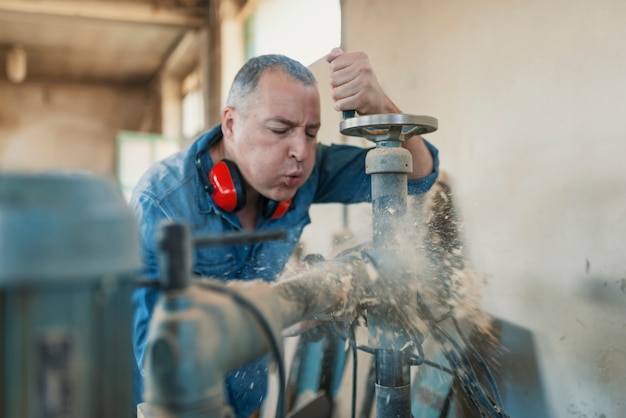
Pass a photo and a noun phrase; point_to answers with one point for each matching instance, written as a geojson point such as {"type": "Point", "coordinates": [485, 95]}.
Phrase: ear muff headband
{"type": "Point", "coordinates": [274, 209]}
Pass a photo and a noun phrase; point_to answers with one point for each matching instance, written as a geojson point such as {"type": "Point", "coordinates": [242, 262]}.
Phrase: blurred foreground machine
{"type": "Point", "coordinates": [68, 253]}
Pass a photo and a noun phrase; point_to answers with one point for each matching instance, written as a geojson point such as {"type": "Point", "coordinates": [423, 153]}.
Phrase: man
{"type": "Point", "coordinates": [266, 146]}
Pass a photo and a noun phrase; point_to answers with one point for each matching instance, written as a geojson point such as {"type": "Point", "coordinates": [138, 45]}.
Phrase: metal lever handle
{"type": "Point", "coordinates": [347, 114]}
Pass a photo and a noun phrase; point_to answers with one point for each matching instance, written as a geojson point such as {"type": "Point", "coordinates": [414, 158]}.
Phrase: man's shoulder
{"type": "Point", "coordinates": [167, 178]}
{"type": "Point", "coordinates": [164, 175]}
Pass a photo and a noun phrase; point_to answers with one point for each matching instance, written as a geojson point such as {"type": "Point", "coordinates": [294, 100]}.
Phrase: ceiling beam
{"type": "Point", "coordinates": [118, 11]}
{"type": "Point", "coordinates": [183, 56]}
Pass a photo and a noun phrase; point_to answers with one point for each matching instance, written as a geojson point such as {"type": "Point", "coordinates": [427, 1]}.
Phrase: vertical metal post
{"type": "Point", "coordinates": [388, 164]}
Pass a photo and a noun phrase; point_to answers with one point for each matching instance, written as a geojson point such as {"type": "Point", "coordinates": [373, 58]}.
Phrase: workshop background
{"type": "Point", "coordinates": [530, 98]}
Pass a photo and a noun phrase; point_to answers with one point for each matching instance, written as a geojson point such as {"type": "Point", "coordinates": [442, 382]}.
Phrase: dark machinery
{"type": "Point", "coordinates": [68, 257]}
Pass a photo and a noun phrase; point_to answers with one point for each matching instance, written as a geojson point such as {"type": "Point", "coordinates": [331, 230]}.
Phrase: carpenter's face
{"type": "Point", "coordinates": [273, 137]}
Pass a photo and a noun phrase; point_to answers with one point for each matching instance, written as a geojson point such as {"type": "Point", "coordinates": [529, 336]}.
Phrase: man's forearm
{"type": "Point", "coordinates": [423, 163]}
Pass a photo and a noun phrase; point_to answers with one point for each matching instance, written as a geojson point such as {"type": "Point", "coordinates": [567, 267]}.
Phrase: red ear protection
{"type": "Point", "coordinates": [226, 186]}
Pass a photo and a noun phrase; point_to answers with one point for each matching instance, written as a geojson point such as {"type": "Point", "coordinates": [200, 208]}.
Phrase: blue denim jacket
{"type": "Point", "coordinates": [172, 190]}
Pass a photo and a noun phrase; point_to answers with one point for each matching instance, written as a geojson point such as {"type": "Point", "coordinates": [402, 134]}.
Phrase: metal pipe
{"type": "Point", "coordinates": [388, 164]}
{"type": "Point", "coordinates": [388, 168]}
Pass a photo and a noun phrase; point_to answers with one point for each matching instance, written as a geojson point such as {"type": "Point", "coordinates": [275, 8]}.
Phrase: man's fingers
{"type": "Point", "coordinates": [334, 53]}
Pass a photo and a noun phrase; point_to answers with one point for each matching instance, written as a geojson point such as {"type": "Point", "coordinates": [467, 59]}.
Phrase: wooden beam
{"type": "Point", "coordinates": [210, 68]}
{"type": "Point", "coordinates": [184, 56]}
{"type": "Point", "coordinates": [113, 11]}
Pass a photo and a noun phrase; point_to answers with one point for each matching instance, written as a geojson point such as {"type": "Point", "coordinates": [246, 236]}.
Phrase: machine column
{"type": "Point", "coordinates": [388, 164]}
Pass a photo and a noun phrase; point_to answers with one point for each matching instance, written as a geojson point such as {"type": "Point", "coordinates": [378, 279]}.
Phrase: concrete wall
{"type": "Point", "coordinates": [66, 126]}
{"type": "Point", "coordinates": [531, 98]}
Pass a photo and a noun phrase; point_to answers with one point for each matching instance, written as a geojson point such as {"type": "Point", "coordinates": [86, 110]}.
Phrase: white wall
{"type": "Point", "coordinates": [301, 29]}
{"type": "Point", "coordinates": [531, 101]}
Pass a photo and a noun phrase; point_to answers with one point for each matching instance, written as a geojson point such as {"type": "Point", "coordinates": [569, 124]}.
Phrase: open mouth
{"type": "Point", "coordinates": [293, 180]}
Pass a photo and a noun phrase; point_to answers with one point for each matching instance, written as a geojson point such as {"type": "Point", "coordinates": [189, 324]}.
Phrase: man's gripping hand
{"type": "Point", "coordinates": [354, 84]}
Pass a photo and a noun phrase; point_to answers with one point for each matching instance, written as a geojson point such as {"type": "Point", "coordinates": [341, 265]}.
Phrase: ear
{"type": "Point", "coordinates": [228, 120]}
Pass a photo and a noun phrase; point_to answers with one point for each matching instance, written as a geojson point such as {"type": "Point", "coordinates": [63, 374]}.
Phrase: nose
{"type": "Point", "coordinates": [299, 146]}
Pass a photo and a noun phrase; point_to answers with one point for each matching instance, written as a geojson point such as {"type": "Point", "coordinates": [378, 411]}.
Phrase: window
{"type": "Point", "coordinates": [192, 106]}
{"type": "Point", "coordinates": [136, 152]}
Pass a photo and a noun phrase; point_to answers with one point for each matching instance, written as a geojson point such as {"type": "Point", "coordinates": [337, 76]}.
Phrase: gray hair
{"type": "Point", "coordinates": [247, 79]}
